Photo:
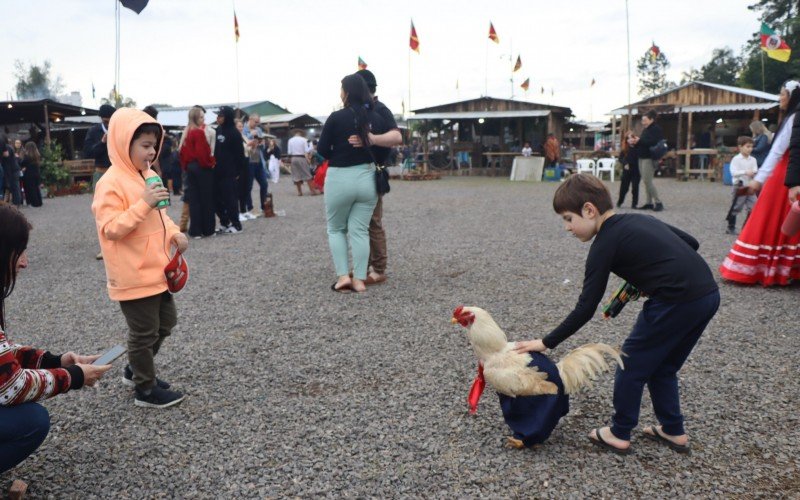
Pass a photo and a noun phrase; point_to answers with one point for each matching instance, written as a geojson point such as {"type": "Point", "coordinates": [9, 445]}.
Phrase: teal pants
{"type": "Point", "coordinates": [350, 199]}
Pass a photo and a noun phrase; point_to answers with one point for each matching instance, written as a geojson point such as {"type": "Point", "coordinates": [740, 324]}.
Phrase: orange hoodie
{"type": "Point", "coordinates": [134, 238]}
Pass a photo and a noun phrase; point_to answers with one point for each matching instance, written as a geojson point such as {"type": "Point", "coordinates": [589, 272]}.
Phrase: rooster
{"type": "Point", "coordinates": [534, 392]}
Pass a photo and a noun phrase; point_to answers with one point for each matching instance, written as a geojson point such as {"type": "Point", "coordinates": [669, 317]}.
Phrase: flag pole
{"type": "Point", "coordinates": [762, 71]}
{"type": "Point", "coordinates": [486, 71]}
{"type": "Point", "coordinates": [628, 34]}
{"type": "Point", "coordinates": [408, 109]}
{"type": "Point", "coordinates": [236, 43]}
{"type": "Point", "coordinates": [511, 60]}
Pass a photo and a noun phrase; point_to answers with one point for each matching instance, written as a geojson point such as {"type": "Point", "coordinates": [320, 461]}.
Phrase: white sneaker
{"type": "Point", "coordinates": [232, 230]}
{"type": "Point", "coordinates": [250, 216]}
{"type": "Point", "coordinates": [243, 217]}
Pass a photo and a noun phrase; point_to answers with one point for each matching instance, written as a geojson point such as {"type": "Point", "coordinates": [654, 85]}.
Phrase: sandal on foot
{"type": "Point", "coordinates": [659, 438]}
{"type": "Point", "coordinates": [348, 288]}
{"type": "Point", "coordinates": [375, 281]}
{"type": "Point", "coordinates": [606, 446]}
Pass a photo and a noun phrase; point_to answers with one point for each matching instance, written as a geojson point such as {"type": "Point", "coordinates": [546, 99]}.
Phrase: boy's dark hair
{"type": "Point", "coordinates": [651, 114]}
{"type": "Point", "coordinates": [149, 128]}
{"type": "Point", "coordinates": [152, 111]}
{"type": "Point", "coordinates": [579, 189]}
{"type": "Point", "coordinates": [744, 139]}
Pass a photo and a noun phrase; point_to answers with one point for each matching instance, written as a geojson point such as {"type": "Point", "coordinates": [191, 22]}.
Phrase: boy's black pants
{"type": "Point", "coordinates": [660, 342]}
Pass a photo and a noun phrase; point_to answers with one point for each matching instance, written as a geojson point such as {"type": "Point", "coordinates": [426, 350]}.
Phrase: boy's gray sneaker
{"type": "Point", "coordinates": [127, 379]}
{"type": "Point", "coordinates": [157, 398]}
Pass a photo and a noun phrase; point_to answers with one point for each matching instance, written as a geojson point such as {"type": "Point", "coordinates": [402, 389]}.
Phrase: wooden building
{"type": "Point", "coordinates": [486, 126]}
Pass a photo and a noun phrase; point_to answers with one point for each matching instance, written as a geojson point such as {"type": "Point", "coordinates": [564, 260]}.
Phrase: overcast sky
{"type": "Point", "coordinates": [294, 53]}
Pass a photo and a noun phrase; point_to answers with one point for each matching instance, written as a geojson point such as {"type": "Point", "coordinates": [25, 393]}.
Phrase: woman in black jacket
{"type": "Point", "coordinates": [229, 152]}
{"type": "Point", "coordinates": [32, 178]}
{"type": "Point", "coordinates": [651, 135]}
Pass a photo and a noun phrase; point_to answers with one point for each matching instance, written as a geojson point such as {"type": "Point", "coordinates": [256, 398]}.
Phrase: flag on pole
{"type": "Point", "coordinates": [236, 26]}
{"type": "Point", "coordinates": [413, 40]}
{"type": "Point", "coordinates": [493, 34]}
{"type": "Point", "coordinates": [518, 64]}
{"type": "Point", "coordinates": [92, 90]}
{"type": "Point", "coordinates": [456, 84]}
{"type": "Point", "coordinates": [593, 82]}
{"type": "Point", "coordinates": [526, 84]}
{"type": "Point", "coordinates": [654, 52]}
{"type": "Point", "coordinates": [552, 91]}
{"type": "Point", "coordinates": [361, 63]}
{"type": "Point", "coordinates": [135, 5]}
{"type": "Point", "coordinates": [774, 45]}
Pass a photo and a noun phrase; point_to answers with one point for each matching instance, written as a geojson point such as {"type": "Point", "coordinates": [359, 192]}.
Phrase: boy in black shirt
{"type": "Point", "coordinates": [662, 262]}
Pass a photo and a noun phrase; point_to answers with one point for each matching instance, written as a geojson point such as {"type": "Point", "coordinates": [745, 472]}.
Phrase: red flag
{"type": "Point", "coordinates": [361, 63]}
{"type": "Point", "coordinates": [413, 40]}
{"type": "Point", "coordinates": [654, 52]}
{"type": "Point", "coordinates": [526, 84]}
{"type": "Point", "coordinates": [493, 34]}
{"type": "Point", "coordinates": [518, 65]}
{"type": "Point", "coordinates": [235, 26]}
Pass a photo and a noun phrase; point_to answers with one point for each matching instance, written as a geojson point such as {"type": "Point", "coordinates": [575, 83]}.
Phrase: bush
{"type": "Point", "coordinates": [53, 170]}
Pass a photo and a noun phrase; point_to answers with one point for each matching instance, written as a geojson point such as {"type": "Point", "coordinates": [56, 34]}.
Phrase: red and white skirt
{"type": "Point", "coordinates": [762, 254]}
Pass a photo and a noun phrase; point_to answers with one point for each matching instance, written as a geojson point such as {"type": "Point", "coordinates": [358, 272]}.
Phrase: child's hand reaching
{"type": "Point", "coordinates": [530, 346]}
{"type": "Point", "coordinates": [181, 242]}
{"type": "Point", "coordinates": [155, 193]}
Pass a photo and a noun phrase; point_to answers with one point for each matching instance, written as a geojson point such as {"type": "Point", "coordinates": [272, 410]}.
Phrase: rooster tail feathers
{"type": "Point", "coordinates": [582, 365]}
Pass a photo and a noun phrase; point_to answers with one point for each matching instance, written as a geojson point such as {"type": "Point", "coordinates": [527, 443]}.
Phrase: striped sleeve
{"type": "Point", "coordinates": [21, 378]}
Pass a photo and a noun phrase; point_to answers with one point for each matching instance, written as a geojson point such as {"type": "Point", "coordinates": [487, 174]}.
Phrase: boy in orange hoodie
{"type": "Point", "coordinates": [135, 239]}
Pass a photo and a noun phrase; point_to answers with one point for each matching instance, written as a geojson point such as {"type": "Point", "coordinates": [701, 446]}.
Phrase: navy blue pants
{"type": "Point", "coordinates": [661, 340]}
{"type": "Point", "coordinates": [256, 172]}
{"type": "Point", "coordinates": [22, 430]}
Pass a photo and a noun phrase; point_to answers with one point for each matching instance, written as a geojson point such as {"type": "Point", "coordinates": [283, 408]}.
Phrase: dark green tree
{"type": "Point", "coordinates": [784, 17]}
{"type": "Point", "coordinates": [35, 81]}
{"type": "Point", "coordinates": [652, 73]}
{"type": "Point", "coordinates": [723, 68]}
{"type": "Point", "coordinates": [691, 76]}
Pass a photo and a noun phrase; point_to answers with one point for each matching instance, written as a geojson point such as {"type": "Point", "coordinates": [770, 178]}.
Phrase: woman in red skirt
{"type": "Point", "coordinates": [761, 253]}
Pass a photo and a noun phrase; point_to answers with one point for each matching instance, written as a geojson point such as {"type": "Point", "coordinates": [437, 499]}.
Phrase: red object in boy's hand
{"type": "Point", "coordinates": [177, 273]}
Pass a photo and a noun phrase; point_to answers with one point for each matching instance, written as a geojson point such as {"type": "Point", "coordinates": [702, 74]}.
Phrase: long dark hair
{"type": "Point", "coordinates": [794, 101]}
{"type": "Point", "coordinates": [359, 100]}
{"type": "Point", "coordinates": [13, 241]}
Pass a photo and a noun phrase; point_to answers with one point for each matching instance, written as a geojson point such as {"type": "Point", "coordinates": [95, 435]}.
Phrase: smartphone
{"type": "Point", "coordinates": [110, 355]}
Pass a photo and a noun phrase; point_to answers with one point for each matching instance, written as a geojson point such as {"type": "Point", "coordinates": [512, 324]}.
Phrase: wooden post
{"type": "Point", "coordinates": [614, 133]}
{"type": "Point", "coordinates": [582, 145]}
{"type": "Point", "coordinates": [678, 138]}
{"type": "Point", "coordinates": [46, 126]}
{"type": "Point", "coordinates": [688, 143]}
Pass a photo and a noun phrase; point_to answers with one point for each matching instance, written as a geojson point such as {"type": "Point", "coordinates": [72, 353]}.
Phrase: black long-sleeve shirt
{"type": "Point", "coordinates": [658, 259]}
{"type": "Point", "coordinates": [95, 148]}
{"type": "Point", "coordinates": [649, 138]}
{"type": "Point", "coordinates": [338, 128]}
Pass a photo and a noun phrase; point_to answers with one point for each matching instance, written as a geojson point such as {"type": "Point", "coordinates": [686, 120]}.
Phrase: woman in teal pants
{"type": "Point", "coordinates": [350, 195]}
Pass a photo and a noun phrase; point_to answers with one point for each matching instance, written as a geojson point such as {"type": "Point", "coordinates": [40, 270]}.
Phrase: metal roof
{"type": "Point", "coordinates": [737, 90]}
{"type": "Point", "coordinates": [32, 111]}
{"type": "Point", "coordinates": [474, 115]}
{"type": "Point", "coordinates": [707, 108]}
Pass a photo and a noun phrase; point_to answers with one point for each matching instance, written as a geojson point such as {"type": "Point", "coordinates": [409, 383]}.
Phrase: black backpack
{"type": "Point", "coordinates": [658, 150]}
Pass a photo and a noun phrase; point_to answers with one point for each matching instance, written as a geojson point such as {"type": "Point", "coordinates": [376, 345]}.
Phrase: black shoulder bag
{"type": "Point", "coordinates": [381, 174]}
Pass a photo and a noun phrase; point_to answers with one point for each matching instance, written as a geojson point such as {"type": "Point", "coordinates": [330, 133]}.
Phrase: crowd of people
{"type": "Point", "coordinates": [218, 169]}
{"type": "Point", "coordinates": [20, 172]}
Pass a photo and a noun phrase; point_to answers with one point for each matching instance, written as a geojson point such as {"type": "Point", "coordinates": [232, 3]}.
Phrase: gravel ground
{"type": "Point", "coordinates": [296, 391]}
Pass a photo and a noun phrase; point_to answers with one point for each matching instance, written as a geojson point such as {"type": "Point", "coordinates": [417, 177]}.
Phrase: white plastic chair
{"type": "Point", "coordinates": [606, 165]}
{"type": "Point", "coordinates": [586, 165]}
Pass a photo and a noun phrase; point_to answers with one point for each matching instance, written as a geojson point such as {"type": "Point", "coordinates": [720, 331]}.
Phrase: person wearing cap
{"type": "Point", "coordinates": [381, 149]}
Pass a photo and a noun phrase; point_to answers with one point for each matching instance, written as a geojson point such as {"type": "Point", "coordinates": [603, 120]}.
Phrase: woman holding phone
{"type": "Point", "coordinates": [27, 374]}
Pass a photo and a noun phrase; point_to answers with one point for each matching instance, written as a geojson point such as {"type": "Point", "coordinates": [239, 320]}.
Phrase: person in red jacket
{"type": "Point", "coordinates": [27, 374]}
{"type": "Point", "coordinates": [198, 161]}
